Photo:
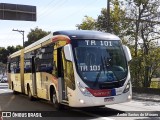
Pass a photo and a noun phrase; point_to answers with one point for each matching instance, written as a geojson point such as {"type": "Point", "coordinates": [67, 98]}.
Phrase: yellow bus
{"type": "Point", "coordinates": [77, 68]}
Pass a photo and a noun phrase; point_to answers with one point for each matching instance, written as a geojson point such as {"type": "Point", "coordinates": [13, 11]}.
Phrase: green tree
{"type": "Point", "coordinates": [34, 35]}
{"type": "Point", "coordinates": [145, 30]}
{"type": "Point", "coordinates": [136, 25]}
{"type": "Point", "coordinates": [88, 23]}
{"type": "Point", "coordinates": [4, 53]}
{"type": "Point", "coordinates": [118, 23]}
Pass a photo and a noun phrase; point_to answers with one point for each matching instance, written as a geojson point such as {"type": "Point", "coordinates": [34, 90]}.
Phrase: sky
{"type": "Point", "coordinates": [52, 15]}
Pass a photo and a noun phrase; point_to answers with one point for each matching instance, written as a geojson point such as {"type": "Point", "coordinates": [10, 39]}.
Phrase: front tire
{"type": "Point", "coordinates": [55, 102]}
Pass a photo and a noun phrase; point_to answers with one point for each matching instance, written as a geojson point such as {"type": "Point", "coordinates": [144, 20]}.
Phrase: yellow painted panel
{"type": "Point", "coordinates": [15, 78]}
{"type": "Point", "coordinates": [27, 80]}
{"type": "Point", "coordinates": [44, 80]}
{"type": "Point", "coordinates": [39, 89]}
{"type": "Point", "coordinates": [60, 44]}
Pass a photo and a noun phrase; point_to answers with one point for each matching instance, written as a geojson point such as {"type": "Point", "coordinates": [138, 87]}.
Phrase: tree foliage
{"type": "Point", "coordinates": [5, 52]}
{"type": "Point", "coordinates": [143, 15]}
{"type": "Point", "coordinates": [88, 23]}
{"type": "Point", "coordinates": [117, 19]}
{"type": "Point", "coordinates": [34, 35]}
{"type": "Point", "coordinates": [118, 23]}
{"type": "Point", "coordinates": [135, 22]}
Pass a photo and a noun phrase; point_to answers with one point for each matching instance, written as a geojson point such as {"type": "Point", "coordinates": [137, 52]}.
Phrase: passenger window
{"type": "Point", "coordinates": [44, 59]}
{"type": "Point", "coordinates": [15, 65]}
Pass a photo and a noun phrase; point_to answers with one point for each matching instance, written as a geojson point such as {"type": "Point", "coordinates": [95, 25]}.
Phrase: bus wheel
{"type": "Point", "coordinates": [29, 94]}
{"type": "Point", "coordinates": [57, 105]}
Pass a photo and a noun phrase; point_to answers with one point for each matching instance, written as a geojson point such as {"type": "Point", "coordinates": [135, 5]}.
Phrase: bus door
{"type": "Point", "coordinates": [34, 84]}
{"type": "Point", "coordinates": [60, 70]}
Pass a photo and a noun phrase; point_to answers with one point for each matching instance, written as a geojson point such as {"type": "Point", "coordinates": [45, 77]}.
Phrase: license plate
{"type": "Point", "coordinates": [110, 99]}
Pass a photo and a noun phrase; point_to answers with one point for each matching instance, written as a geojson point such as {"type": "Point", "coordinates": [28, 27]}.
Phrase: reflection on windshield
{"type": "Point", "coordinates": [101, 63]}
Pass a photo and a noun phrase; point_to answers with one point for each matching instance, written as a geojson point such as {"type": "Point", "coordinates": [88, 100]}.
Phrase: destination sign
{"type": "Point", "coordinates": [101, 43]}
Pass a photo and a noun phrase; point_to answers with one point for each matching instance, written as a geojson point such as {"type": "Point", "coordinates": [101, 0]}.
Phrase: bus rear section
{"type": "Point", "coordinates": [15, 75]}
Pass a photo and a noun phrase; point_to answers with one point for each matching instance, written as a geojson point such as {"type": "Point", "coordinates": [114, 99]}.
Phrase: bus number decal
{"type": "Point", "coordinates": [95, 68]}
{"type": "Point", "coordinates": [99, 43]}
{"type": "Point", "coordinates": [90, 68]}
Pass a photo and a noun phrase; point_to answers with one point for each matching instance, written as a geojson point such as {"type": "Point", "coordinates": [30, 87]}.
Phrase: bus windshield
{"type": "Point", "coordinates": [100, 61]}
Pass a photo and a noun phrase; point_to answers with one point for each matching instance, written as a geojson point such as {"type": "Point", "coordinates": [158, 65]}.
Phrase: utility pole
{"type": "Point", "coordinates": [108, 15]}
{"type": "Point", "coordinates": [22, 32]}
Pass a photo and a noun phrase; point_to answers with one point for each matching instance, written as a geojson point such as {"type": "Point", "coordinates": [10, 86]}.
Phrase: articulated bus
{"type": "Point", "coordinates": [78, 68]}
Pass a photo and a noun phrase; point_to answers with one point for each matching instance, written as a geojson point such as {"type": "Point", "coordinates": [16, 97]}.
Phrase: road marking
{"type": "Point", "coordinates": [8, 103]}
{"type": "Point", "coordinates": [4, 89]}
{"type": "Point", "coordinates": [3, 85]}
{"type": "Point", "coordinates": [94, 115]}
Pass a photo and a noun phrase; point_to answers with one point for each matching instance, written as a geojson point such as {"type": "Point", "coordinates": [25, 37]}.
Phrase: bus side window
{"type": "Point", "coordinates": [11, 66]}
{"type": "Point", "coordinates": [14, 65]}
{"type": "Point", "coordinates": [27, 69]}
{"type": "Point", "coordinates": [27, 62]}
{"type": "Point", "coordinates": [17, 70]}
{"type": "Point", "coordinates": [44, 59]}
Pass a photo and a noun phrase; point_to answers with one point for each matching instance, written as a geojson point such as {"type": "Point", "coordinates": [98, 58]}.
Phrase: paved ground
{"type": "Point", "coordinates": [136, 96]}
{"type": "Point", "coordinates": [146, 97]}
{"type": "Point", "coordinates": [3, 85]}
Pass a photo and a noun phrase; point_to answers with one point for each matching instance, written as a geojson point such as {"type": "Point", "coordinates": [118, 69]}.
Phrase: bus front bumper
{"type": "Point", "coordinates": [101, 101]}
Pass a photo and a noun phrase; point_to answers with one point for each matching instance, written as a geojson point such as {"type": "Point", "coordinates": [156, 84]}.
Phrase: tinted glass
{"type": "Point", "coordinates": [100, 61]}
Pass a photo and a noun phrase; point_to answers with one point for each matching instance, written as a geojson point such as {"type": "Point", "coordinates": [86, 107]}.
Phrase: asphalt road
{"type": "Point", "coordinates": [20, 105]}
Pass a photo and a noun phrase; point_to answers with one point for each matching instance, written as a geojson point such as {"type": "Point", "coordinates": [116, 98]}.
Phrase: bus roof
{"type": "Point", "coordinates": [39, 41]}
{"type": "Point", "coordinates": [72, 34]}
{"type": "Point", "coordinates": [87, 34]}
{"type": "Point", "coordinates": [75, 34]}
{"type": "Point", "coordinates": [17, 53]}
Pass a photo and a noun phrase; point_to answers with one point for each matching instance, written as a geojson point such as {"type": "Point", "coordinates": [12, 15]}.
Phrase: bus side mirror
{"type": "Point", "coordinates": [127, 53]}
{"type": "Point", "coordinates": [67, 52]}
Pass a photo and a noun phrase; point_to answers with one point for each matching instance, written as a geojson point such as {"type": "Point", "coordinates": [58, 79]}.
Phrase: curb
{"type": "Point", "coordinates": [139, 98]}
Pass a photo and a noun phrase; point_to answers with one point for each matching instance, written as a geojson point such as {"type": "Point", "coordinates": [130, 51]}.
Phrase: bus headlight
{"type": "Point", "coordinates": [81, 101]}
{"type": "Point", "coordinates": [84, 91]}
{"type": "Point", "coordinates": [127, 87]}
